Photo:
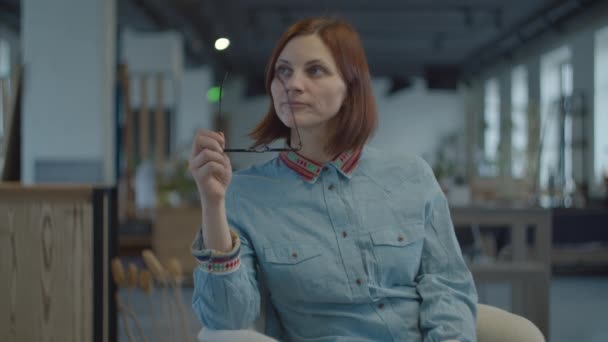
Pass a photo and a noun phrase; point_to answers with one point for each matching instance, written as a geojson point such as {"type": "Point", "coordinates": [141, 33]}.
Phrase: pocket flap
{"type": "Point", "coordinates": [397, 237]}
{"type": "Point", "coordinates": [291, 254]}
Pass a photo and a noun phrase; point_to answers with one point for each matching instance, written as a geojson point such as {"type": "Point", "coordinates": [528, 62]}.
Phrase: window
{"type": "Point", "coordinates": [5, 63]}
{"type": "Point", "coordinates": [491, 131]}
{"type": "Point", "coordinates": [4, 73]}
{"type": "Point", "coordinates": [519, 119]}
{"type": "Point", "coordinates": [556, 127]}
{"type": "Point", "coordinates": [600, 119]}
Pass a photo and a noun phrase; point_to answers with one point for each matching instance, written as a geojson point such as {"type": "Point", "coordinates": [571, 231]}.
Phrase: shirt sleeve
{"type": "Point", "coordinates": [448, 309]}
{"type": "Point", "coordinates": [212, 261]}
{"type": "Point", "coordinates": [226, 294]}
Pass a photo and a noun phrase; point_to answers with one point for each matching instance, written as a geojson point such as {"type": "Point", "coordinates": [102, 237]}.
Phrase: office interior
{"type": "Point", "coordinates": [100, 100]}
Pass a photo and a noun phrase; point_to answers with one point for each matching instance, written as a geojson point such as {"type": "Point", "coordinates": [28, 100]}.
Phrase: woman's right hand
{"type": "Point", "coordinates": [210, 166]}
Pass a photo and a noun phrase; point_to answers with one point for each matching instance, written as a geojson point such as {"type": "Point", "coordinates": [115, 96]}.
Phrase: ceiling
{"type": "Point", "coordinates": [453, 38]}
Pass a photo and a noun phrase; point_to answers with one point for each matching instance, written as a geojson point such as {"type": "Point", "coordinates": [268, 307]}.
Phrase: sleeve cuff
{"type": "Point", "coordinates": [212, 261]}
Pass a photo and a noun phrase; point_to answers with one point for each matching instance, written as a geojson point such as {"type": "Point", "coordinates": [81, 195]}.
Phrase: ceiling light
{"type": "Point", "coordinates": [222, 43]}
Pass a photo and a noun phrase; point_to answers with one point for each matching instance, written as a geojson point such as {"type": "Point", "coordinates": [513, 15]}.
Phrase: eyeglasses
{"type": "Point", "coordinates": [264, 148]}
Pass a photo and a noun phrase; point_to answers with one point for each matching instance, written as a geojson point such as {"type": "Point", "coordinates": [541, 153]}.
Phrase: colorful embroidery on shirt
{"type": "Point", "coordinates": [310, 170]}
{"type": "Point", "coordinates": [218, 262]}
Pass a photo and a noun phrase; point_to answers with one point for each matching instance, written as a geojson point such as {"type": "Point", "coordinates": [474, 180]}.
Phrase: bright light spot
{"type": "Point", "coordinates": [222, 43]}
{"type": "Point", "coordinates": [213, 94]}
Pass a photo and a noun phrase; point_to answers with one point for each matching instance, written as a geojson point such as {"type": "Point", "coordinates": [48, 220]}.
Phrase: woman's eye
{"type": "Point", "coordinates": [316, 70]}
{"type": "Point", "coordinates": [283, 71]}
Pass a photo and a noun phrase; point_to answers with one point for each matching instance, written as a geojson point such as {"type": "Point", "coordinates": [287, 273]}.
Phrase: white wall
{"type": "Point", "coordinates": [411, 121]}
{"type": "Point", "coordinates": [14, 42]}
{"type": "Point", "coordinates": [243, 114]}
{"type": "Point", "coordinates": [414, 120]}
{"type": "Point", "coordinates": [153, 53]}
{"type": "Point", "coordinates": [601, 104]}
{"type": "Point", "coordinates": [194, 110]}
{"type": "Point", "coordinates": [68, 105]}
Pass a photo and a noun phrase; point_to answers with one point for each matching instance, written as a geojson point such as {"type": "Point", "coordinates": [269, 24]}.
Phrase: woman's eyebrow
{"type": "Point", "coordinates": [312, 61]}
{"type": "Point", "coordinates": [315, 61]}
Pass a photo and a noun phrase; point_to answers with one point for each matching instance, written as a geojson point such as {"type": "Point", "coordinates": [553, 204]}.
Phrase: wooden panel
{"type": "Point", "coordinates": [46, 192]}
{"type": "Point", "coordinates": [160, 124]}
{"type": "Point", "coordinates": [54, 248]}
{"type": "Point", "coordinates": [173, 233]}
{"type": "Point", "coordinates": [48, 259]}
{"type": "Point", "coordinates": [129, 146]}
{"type": "Point", "coordinates": [144, 120]}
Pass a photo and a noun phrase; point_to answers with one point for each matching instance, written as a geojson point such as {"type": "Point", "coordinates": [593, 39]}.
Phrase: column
{"type": "Point", "coordinates": [69, 126]}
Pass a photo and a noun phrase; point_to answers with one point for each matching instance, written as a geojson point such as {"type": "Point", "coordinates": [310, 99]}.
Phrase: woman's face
{"type": "Point", "coordinates": [307, 82]}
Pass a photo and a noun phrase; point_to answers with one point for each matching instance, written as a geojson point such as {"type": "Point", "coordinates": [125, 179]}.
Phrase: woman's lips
{"type": "Point", "coordinates": [295, 104]}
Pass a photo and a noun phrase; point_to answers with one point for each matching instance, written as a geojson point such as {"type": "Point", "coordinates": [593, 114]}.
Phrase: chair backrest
{"type": "Point", "coordinates": [497, 325]}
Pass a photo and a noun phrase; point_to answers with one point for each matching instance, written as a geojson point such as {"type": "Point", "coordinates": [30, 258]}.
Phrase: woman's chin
{"type": "Point", "coordinates": [301, 121]}
{"type": "Point", "coordinates": [291, 122]}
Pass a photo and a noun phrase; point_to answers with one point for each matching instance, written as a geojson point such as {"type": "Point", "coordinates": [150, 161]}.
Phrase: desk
{"type": "Point", "coordinates": [580, 239]}
{"type": "Point", "coordinates": [528, 271]}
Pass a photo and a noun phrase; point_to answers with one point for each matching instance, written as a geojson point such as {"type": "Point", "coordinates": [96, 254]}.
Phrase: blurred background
{"type": "Point", "coordinates": [100, 100]}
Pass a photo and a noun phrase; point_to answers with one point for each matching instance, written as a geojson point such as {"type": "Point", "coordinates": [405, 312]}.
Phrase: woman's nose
{"type": "Point", "coordinates": [294, 82]}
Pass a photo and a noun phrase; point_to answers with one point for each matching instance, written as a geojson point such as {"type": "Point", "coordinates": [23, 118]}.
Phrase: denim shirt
{"type": "Point", "coordinates": [360, 249]}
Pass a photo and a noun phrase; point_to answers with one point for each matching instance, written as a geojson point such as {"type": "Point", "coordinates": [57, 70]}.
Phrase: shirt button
{"type": "Point", "coordinates": [359, 282]}
{"type": "Point", "coordinates": [344, 234]}
{"type": "Point", "coordinates": [400, 238]}
{"type": "Point", "coordinates": [331, 187]}
{"type": "Point", "coordinates": [294, 254]}
{"type": "Point", "coordinates": [381, 306]}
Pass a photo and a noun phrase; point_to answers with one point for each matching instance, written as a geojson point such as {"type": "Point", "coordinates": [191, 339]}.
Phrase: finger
{"type": "Point", "coordinates": [227, 162]}
{"type": "Point", "coordinates": [204, 157]}
{"type": "Point", "coordinates": [209, 143]}
{"type": "Point", "coordinates": [209, 133]}
{"type": "Point", "coordinates": [200, 141]}
{"type": "Point", "coordinates": [214, 168]}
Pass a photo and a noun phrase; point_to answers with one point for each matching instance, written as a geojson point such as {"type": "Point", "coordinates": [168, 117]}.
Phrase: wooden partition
{"type": "Point", "coordinates": [528, 270]}
{"type": "Point", "coordinates": [172, 235]}
{"type": "Point", "coordinates": [145, 129]}
{"type": "Point", "coordinates": [55, 246]}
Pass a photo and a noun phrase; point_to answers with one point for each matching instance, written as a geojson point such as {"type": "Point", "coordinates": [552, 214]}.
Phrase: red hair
{"type": "Point", "coordinates": [357, 119]}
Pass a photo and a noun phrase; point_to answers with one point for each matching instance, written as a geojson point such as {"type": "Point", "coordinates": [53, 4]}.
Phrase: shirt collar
{"type": "Point", "coordinates": [310, 170]}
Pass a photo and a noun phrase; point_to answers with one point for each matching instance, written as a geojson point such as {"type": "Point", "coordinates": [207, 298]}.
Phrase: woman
{"type": "Point", "coordinates": [353, 245]}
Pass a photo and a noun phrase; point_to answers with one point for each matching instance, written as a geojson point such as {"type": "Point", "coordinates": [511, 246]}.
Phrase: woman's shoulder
{"type": "Point", "coordinates": [379, 161]}
{"type": "Point", "coordinates": [256, 179]}
{"type": "Point", "coordinates": [266, 169]}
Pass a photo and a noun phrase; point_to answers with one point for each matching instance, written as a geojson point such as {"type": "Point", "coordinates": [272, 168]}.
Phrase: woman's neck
{"type": "Point", "coordinates": [313, 145]}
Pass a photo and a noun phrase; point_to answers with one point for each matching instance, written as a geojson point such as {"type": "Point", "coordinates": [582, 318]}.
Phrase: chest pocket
{"type": "Point", "coordinates": [294, 271]}
{"type": "Point", "coordinates": [398, 252]}
{"type": "Point", "coordinates": [291, 254]}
